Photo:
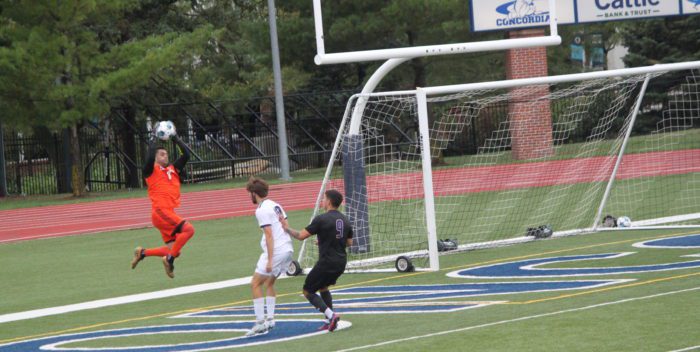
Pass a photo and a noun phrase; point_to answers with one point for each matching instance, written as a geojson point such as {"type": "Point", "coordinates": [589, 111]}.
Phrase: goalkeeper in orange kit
{"type": "Point", "coordinates": [163, 180]}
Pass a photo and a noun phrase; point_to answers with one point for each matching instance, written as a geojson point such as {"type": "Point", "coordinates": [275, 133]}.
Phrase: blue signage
{"type": "Point", "coordinates": [489, 15]}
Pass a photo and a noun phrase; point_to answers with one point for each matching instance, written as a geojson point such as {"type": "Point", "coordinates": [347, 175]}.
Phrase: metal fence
{"type": "Point", "coordinates": [32, 164]}
{"type": "Point", "coordinates": [227, 140]}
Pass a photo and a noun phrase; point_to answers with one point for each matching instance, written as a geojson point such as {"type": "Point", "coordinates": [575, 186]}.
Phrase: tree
{"type": "Point", "coordinates": [367, 25]}
{"type": "Point", "coordinates": [64, 63]}
{"type": "Point", "coordinates": [670, 39]}
{"type": "Point", "coordinates": [666, 40]}
{"type": "Point", "coordinates": [238, 64]}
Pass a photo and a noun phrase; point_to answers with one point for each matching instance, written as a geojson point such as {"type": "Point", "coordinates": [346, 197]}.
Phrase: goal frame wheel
{"type": "Point", "coordinates": [403, 264]}
{"type": "Point", "coordinates": [294, 268]}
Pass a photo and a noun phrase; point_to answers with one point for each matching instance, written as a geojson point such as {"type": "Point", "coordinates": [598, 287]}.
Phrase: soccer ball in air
{"type": "Point", "coordinates": [165, 130]}
{"type": "Point", "coordinates": [624, 221]}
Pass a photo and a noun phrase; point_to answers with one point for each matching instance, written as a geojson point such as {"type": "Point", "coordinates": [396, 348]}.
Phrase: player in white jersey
{"type": "Point", "coordinates": [276, 256]}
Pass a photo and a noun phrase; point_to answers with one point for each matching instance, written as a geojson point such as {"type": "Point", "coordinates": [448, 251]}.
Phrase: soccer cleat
{"type": "Point", "coordinates": [323, 327]}
{"type": "Point", "coordinates": [138, 256]}
{"type": "Point", "coordinates": [259, 328]}
{"type": "Point", "coordinates": [334, 322]}
{"type": "Point", "coordinates": [270, 323]}
{"type": "Point", "coordinates": [169, 267]}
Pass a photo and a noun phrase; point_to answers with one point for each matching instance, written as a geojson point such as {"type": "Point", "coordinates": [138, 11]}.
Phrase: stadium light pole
{"type": "Point", "coordinates": [279, 100]}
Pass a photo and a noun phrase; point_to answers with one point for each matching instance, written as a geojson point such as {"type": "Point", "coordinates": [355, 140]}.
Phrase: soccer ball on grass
{"type": "Point", "coordinates": [165, 130]}
{"type": "Point", "coordinates": [624, 221]}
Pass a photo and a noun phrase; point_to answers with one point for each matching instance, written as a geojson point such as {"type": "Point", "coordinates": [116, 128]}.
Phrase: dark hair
{"type": "Point", "coordinates": [160, 147]}
{"type": "Point", "coordinates": [335, 197]}
{"type": "Point", "coordinates": [258, 186]}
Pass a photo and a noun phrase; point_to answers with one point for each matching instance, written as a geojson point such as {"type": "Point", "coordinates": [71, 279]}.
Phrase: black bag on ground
{"type": "Point", "coordinates": [543, 231]}
{"type": "Point", "coordinates": [447, 245]}
{"type": "Point", "coordinates": [609, 221]}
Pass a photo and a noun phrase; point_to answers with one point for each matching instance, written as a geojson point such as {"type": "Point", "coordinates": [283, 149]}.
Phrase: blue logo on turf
{"type": "Point", "coordinates": [531, 268]}
{"type": "Point", "coordinates": [373, 300]}
{"type": "Point", "coordinates": [521, 12]}
{"type": "Point", "coordinates": [284, 330]}
{"type": "Point", "coordinates": [413, 298]}
{"type": "Point", "coordinates": [687, 241]}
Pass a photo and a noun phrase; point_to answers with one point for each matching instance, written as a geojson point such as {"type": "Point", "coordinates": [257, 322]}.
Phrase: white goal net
{"type": "Point", "coordinates": [504, 157]}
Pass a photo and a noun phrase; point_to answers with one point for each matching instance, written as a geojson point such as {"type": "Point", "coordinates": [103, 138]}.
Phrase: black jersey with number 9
{"type": "Point", "coordinates": [332, 230]}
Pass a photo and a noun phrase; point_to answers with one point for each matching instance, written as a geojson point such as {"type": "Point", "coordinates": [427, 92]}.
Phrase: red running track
{"type": "Point", "coordinates": [92, 217]}
{"type": "Point", "coordinates": [112, 215]}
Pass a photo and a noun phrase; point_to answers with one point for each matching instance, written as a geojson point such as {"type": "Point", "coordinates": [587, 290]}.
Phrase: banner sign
{"type": "Point", "coordinates": [488, 15]}
{"type": "Point", "coordinates": [578, 53]}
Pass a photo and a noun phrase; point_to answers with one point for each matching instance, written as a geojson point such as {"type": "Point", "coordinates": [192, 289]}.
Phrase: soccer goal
{"type": "Point", "coordinates": [490, 164]}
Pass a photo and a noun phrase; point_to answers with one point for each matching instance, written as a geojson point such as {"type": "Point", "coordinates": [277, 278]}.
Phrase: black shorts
{"type": "Point", "coordinates": [323, 275]}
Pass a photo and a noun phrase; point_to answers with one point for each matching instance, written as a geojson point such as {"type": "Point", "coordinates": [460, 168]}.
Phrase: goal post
{"type": "Point", "coordinates": [440, 162]}
{"type": "Point", "coordinates": [428, 191]}
{"type": "Point", "coordinates": [620, 154]}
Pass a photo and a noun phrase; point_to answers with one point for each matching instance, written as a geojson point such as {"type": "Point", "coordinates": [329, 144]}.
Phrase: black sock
{"type": "Point", "coordinates": [317, 302]}
{"type": "Point", "coordinates": [327, 298]}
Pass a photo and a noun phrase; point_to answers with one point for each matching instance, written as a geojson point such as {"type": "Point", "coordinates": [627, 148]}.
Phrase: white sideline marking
{"type": "Point", "coordinates": [30, 314]}
{"type": "Point", "coordinates": [687, 349]}
{"type": "Point", "coordinates": [521, 319]}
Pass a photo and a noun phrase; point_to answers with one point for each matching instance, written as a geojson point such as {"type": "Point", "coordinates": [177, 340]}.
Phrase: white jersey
{"type": "Point", "coordinates": [268, 213]}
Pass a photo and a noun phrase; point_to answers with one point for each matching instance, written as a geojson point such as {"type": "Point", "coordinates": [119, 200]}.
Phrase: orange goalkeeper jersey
{"type": "Point", "coordinates": [164, 187]}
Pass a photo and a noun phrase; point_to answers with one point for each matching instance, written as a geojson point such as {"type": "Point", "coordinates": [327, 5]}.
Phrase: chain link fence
{"type": "Point", "coordinates": [227, 140]}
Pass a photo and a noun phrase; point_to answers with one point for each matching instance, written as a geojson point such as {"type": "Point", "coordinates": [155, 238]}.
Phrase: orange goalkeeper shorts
{"type": "Point", "coordinates": [167, 222]}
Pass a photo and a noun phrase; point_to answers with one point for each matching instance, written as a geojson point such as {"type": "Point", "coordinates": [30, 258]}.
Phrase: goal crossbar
{"type": "Point", "coordinates": [323, 58]}
{"type": "Point", "coordinates": [456, 88]}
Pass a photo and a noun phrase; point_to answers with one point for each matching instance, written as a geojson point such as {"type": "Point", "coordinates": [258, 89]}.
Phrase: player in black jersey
{"type": "Point", "coordinates": [334, 233]}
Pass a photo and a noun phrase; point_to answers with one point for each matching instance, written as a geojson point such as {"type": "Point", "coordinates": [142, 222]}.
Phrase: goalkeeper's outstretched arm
{"type": "Point", "coordinates": [179, 164]}
{"type": "Point", "coordinates": [150, 159]}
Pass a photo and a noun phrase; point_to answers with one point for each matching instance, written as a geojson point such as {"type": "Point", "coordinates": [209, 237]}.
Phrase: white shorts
{"type": "Point", "coordinates": [280, 263]}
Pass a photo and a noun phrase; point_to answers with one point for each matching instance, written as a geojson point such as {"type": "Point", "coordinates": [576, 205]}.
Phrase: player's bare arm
{"type": "Point", "coordinates": [300, 235]}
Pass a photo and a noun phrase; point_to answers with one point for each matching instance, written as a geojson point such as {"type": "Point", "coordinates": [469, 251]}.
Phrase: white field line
{"type": "Point", "coordinates": [473, 327]}
{"type": "Point", "coordinates": [687, 349]}
{"type": "Point", "coordinates": [37, 313]}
